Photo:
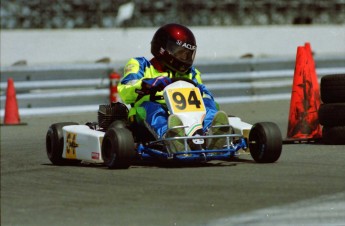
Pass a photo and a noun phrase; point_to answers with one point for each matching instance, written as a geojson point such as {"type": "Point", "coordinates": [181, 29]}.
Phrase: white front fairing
{"type": "Point", "coordinates": [239, 126]}
{"type": "Point", "coordinates": [184, 100]}
{"type": "Point", "coordinates": [82, 143]}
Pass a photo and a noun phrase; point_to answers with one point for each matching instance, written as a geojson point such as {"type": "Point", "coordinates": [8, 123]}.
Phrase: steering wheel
{"type": "Point", "coordinates": [184, 79]}
{"type": "Point", "coordinates": [153, 96]}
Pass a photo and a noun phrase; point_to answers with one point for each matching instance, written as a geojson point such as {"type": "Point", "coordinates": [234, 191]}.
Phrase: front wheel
{"type": "Point", "coordinates": [265, 142]}
{"type": "Point", "coordinates": [55, 144]}
{"type": "Point", "coordinates": [118, 148]}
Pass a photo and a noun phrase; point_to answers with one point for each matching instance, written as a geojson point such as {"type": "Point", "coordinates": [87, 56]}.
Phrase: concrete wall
{"type": "Point", "coordinates": [214, 43]}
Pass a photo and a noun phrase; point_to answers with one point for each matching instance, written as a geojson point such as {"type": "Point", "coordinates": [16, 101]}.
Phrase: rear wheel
{"type": "Point", "coordinates": [118, 124]}
{"type": "Point", "coordinates": [265, 142]}
{"type": "Point", "coordinates": [118, 148]}
{"type": "Point", "coordinates": [55, 144]}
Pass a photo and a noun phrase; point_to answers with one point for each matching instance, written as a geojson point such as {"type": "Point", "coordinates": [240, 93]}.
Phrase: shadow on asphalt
{"type": "Point", "coordinates": [164, 164]}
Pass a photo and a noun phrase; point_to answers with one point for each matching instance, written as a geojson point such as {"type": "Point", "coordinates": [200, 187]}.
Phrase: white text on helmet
{"type": "Point", "coordinates": [185, 45]}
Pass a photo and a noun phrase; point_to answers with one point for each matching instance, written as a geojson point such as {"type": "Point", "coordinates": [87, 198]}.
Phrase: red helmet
{"type": "Point", "coordinates": [174, 45]}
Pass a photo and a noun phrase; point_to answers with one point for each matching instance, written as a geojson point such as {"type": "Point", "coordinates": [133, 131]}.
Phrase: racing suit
{"type": "Point", "coordinates": [154, 115]}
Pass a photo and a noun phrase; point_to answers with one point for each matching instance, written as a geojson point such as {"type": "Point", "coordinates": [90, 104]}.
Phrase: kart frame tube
{"type": "Point", "coordinates": [147, 153]}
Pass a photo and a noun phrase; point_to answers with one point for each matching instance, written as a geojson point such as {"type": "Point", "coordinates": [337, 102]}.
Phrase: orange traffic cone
{"type": "Point", "coordinates": [312, 70]}
{"type": "Point", "coordinates": [303, 122]}
{"type": "Point", "coordinates": [11, 106]}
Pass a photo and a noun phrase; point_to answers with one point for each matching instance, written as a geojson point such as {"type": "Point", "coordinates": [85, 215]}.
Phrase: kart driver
{"type": "Point", "coordinates": [173, 47]}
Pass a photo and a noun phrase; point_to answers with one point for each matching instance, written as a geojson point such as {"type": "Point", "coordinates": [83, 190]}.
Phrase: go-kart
{"type": "Point", "coordinates": [118, 143]}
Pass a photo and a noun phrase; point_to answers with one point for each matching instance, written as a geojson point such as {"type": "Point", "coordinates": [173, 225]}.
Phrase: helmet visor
{"type": "Point", "coordinates": [183, 52]}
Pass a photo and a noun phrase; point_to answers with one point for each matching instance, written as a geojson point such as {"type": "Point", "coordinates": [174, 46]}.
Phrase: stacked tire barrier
{"type": "Point", "coordinates": [332, 110]}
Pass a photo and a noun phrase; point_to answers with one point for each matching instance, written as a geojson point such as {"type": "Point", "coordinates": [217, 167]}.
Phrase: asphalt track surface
{"type": "Point", "coordinates": [305, 187]}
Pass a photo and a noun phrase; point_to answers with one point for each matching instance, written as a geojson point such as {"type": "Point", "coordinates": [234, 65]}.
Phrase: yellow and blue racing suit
{"type": "Point", "coordinates": [154, 115]}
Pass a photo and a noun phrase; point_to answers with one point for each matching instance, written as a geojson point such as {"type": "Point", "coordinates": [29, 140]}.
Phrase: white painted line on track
{"type": "Point", "coordinates": [325, 210]}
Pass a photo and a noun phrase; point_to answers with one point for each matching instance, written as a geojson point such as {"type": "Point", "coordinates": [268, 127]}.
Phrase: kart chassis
{"type": "Point", "coordinates": [230, 149]}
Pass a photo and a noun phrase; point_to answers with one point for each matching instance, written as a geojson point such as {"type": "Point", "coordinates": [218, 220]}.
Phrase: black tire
{"type": "Point", "coordinates": [332, 114]}
{"type": "Point", "coordinates": [265, 142]}
{"type": "Point", "coordinates": [118, 148]}
{"type": "Point", "coordinates": [333, 135]}
{"type": "Point", "coordinates": [333, 88]}
{"type": "Point", "coordinates": [55, 144]}
{"type": "Point", "coordinates": [118, 124]}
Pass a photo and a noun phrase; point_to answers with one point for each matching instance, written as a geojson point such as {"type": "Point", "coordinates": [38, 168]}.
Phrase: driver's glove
{"type": "Point", "coordinates": [155, 84]}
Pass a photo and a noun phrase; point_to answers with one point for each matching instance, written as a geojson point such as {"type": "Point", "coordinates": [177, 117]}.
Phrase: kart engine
{"type": "Point", "coordinates": [108, 113]}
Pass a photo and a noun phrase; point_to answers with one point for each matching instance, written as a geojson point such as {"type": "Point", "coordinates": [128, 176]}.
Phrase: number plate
{"type": "Point", "coordinates": [185, 100]}
{"type": "Point", "coordinates": [71, 146]}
